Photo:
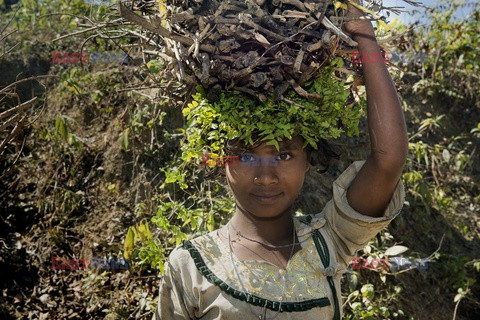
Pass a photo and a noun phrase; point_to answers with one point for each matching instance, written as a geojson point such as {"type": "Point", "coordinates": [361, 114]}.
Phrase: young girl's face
{"type": "Point", "coordinates": [267, 190]}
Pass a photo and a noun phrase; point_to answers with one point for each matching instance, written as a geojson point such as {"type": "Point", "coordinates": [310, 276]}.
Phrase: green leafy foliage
{"type": "Point", "coordinates": [452, 45]}
{"type": "Point", "coordinates": [236, 115]}
{"type": "Point", "coordinates": [175, 222]}
{"type": "Point", "coordinates": [77, 176]}
{"type": "Point", "coordinates": [378, 298]}
{"type": "Point", "coordinates": [154, 66]}
{"type": "Point", "coordinates": [444, 139]}
{"type": "Point", "coordinates": [366, 304]}
{"type": "Point", "coordinates": [124, 139]}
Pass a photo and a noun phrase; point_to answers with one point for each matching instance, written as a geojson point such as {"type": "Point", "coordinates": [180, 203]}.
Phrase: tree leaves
{"type": "Point", "coordinates": [129, 243]}
{"type": "Point", "coordinates": [140, 231]}
{"type": "Point", "coordinates": [124, 139]}
{"type": "Point", "coordinates": [61, 127]}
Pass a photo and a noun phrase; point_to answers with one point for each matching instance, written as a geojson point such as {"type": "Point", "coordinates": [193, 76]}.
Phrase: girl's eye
{"type": "Point", "coordinates": [284, 156]}
{"type": "Point", "coordinates": [246, 157]}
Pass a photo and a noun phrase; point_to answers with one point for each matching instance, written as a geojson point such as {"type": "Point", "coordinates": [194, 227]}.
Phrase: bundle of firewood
{"type": "Point", "coordinates": [260, 47]}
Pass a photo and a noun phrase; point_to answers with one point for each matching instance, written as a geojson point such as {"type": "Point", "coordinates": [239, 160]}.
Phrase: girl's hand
{"type": "Point", "coordinates": [357, 27]}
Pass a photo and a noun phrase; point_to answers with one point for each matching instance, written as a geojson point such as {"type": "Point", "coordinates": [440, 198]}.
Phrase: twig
{"type": "Point", "coordinates": [68, 14]}
{"type": "Point", "coordinates": [455, 310]}
{"type": "Point", "coordinates": [148, 40]}
{"type": "Point", "coordinates": [179, 61]}
{"type": "Point", "coordinates": [249, 22]}
{"type": "Point", "coordinates": [78, 32]}
{"type": "Point", "coordinates": [429, 258]}
{"type": "Point", "coordinates": [338, 19]}
{"type": "Point", "coordinates": [18, 108]}
{"type": "Point", "coordinates": [131, 16]}
{"type": "Point", "coordinates": [251, 92]}
{"type": "Point", "coordinates": [329, 25]}
{"type": "Point", "coordinates": [160, 54]}
{"type": "Point", "coordinates": [359, 7]}
{"type": "Point", "coordinates": [13, 134]}
{"type": "Point", "coordinates": [5, 36]}
{"type": "Point", "coordinates": [10, 50]}
{"type": "Point", "coordinates": [295, 3]}
{"type": "Point", "coordinates": [290, 38]}
{"type": "Point", "coordinates": [19, 152]}
{"type": "Point", "coordinates": [292, 102]}
{"type": "Point", "coordinates": [4, 90]}
{"type": "Point", "coordinates": [382, 40]}
{"type": "Point", "coordinates": [302, 92]}
{"type": "Point", "coordinates": [322, 15]}
{"type": "Point", "coordinates": [8, 122]}
{"type": "Point", "coordinates": [10, 21]}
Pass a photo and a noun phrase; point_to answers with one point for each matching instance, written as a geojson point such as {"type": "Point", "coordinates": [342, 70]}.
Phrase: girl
{"type": "Point", "coordinates": [265, 263]}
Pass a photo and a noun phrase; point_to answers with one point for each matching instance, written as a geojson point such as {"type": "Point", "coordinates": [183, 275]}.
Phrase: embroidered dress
{"type": "Point", "coordinates": [200, 281]}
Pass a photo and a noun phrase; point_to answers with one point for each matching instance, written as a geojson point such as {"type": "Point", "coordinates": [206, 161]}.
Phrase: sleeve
{"type": "Point", "coordinates": [349, 229]}
{"type": "Point", "coordinates": [175, 297]}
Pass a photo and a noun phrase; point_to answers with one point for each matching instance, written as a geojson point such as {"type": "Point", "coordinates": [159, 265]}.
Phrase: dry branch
{"type": "Point", "coordinates": [144, 23]}
{"type": "Point", "coordinates": [18, 108]}
{"type": "Point", "coordinates": [15, 117]}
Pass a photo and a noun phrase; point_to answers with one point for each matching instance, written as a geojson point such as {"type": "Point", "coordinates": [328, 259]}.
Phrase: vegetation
{"type": "Point", "coordinates": [106, 170]}
{"type": "Point", "coordinates": [236, 116]}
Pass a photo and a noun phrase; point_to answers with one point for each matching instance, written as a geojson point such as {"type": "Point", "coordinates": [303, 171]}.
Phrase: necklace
{"type": "Point", "coordinates": [262, 316]}
{"type": "Point", "coordinates": [268, 245]}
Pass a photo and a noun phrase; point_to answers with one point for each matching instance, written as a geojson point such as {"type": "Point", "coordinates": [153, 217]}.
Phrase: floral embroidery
{"type": "Point", "coordinates": [306, 278]}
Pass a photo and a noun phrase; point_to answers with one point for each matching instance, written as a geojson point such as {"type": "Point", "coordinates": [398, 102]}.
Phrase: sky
{"type": "Point", "coordinates": [410, 17]}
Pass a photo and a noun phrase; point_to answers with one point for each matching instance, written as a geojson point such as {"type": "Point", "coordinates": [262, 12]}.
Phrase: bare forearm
{"type": "Point", "coordinates": [372, 188]}
{"type": "Point", "coordinates": [388, 133]}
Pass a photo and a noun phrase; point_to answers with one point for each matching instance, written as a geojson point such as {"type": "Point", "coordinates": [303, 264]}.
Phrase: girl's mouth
{"type": "Point", "coordinates": [267, 198]}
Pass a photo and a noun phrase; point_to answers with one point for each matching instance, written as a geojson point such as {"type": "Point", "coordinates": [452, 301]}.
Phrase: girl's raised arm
{"type": "Point", "coordinates": [372, 188]}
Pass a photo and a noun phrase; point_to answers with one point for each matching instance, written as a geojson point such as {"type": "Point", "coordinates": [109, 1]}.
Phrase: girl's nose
{"type": "Point", "coordinates": [265, 175]}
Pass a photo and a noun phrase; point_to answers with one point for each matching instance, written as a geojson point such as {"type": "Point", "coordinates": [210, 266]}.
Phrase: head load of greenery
{"type": "Point", "coordinates": [236, 116]}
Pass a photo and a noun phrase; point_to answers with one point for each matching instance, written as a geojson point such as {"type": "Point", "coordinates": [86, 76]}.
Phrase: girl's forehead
{"type": "Point", "coordinates": [295, 143]}
{"type": "Point", "coordinates": [236, 147]}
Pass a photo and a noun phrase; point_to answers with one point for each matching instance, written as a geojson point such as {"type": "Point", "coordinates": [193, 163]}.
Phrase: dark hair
{"type": "Point", "coordinates": [322, 156]}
